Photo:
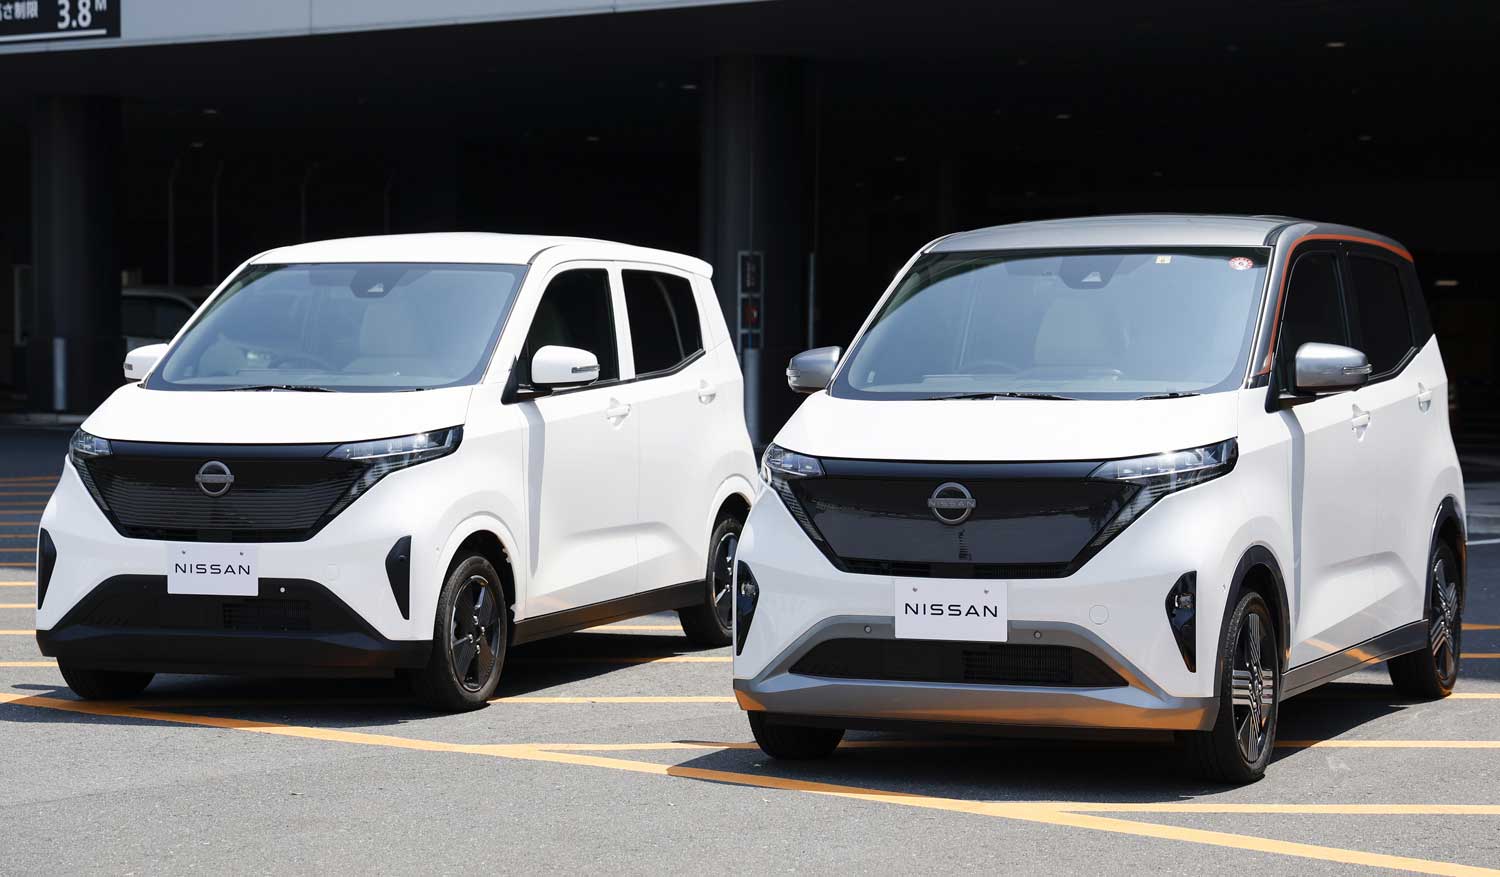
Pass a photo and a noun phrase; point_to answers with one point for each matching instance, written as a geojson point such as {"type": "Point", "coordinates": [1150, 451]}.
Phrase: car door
{"type": "Point", "coordinates": [583, 448]}
{"type": "Point", "coordinates": [678, 397]}
{"type": "Point", "coordinates": [1405, 421]}
{"type": "Point", "coordinates": [1333, 471]}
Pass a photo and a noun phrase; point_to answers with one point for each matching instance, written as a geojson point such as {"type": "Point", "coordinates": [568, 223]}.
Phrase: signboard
{"type": "Point", "coordinates": [29, 21]}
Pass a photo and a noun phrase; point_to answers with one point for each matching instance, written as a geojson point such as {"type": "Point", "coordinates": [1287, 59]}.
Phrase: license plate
{"type": "Point", "coordinates": [218, 570]}
{"type": "Point", "coordinates": [951, 609]}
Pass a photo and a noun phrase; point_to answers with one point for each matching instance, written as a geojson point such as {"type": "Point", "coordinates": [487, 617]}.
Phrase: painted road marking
{"type": "Point", "coordinates": [17, 632]}
{"type": "Point", "coordinates": [609, 627]}
{"type": "Point", "coordinates": [1480, 656]}
{"type": "Point", "coordinates": [17, 584]}
{"type": "Point", "coordinates": [1388, 744]}
{"type": "Point", "coordinates": [1058, 814]}
{"type": "Point", "coordinates": [17, 605]}
{"type": "Point", "coordinates": [1484, 542]}
{"type": "Point", "coordinates": [1482, 627]}
{"type": "Point", "coordinates": [28, 663]}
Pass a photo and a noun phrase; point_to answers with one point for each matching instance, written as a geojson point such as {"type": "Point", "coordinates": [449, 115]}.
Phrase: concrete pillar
{"type": "Point", "coordinates": [755, 218]}
{"type": "Point", "coordinates": [76, 353]}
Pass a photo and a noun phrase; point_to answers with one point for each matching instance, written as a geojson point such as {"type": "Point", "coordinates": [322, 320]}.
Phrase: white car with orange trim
{"type": "Point", "coordinates": [1133, 472]}
{"type": "Point", "coordinates": [403, 454]}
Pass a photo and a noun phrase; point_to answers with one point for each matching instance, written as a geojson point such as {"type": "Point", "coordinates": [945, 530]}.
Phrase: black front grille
{"type": "Point", "coordinates": [957, 663]}
{"type": "Point", "coordinates": [280, 493]}
{"type": "Point", "coordinates": [1028, 520]}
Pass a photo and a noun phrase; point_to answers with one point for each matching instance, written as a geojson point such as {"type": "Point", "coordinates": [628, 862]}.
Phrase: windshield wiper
{"type": "Point", "coordinates": [1008, 394]}
{"type": "Point", "coordinates": [296, 388]}
{"type": "Point", "coordinates": [1173, 395]}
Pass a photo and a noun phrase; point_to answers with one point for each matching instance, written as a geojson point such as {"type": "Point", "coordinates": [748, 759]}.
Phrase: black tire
{"type": "Point", "coordinates": [1239, 747]}
{"type": "Point", "coordinates": [470, 634]}
{"type": "Point", "coordinates": [710, 623]}
{"type": "Point", "coordinates": [103, 684]}
{"type": "Point", "coordinates": [1431, 673]}
{"type": "Point", "coordinates": [793, 742]}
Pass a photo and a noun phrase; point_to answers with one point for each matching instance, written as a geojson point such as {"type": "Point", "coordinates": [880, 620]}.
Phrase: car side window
{"type": "Point", "coordinates": [1380, 313]}
{"type": "Point", "coordinates": [575, 311]}
{"type": "Point", "coordinates": [1313, 311]}
{"type": "Point", "coordinates": [665, 330]}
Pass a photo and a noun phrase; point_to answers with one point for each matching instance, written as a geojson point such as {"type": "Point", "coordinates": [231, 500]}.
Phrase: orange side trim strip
{"type": "Point", "coordinates": [1281, 292]}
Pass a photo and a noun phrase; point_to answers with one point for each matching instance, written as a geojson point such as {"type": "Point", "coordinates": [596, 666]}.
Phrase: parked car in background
{"type": "Point", "coordinates": [404, 453]}
{"type": "Point", "coordinates": [153, 316]}
{"type": "Point", "coordinates": [1144, 472]}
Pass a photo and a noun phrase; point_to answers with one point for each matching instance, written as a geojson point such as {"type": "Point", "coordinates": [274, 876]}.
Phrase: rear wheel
{"type": "Point", "coordinates": [793, 742]}
{"type": "Point", "coordinates": [1239, 746]}
{"type": "Point", "coordinates": [469, 639]}
{"type": "Point", "coordinates": [711, 622]}
{"type": "Point", "coordinates": [103, 684]}
{"type": "Point", "coordinates": [1432, 672]}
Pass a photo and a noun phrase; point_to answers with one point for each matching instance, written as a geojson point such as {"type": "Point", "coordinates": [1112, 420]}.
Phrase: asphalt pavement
{"type": "Point", "coordinates": [620, 749]}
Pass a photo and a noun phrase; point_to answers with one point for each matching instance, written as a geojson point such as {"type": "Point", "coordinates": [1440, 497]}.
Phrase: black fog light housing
{"type": "Point", "coordinates": [1182, 615]}
{"type": "Point", "coordinates": [746, 595]}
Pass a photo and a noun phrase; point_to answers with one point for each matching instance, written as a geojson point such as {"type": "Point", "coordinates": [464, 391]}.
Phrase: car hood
{"type": "Point", "coordinates": [977, 430]}
{"type": "Point", "coordinates": [271, 416]}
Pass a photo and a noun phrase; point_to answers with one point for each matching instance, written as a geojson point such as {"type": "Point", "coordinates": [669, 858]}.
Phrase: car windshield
{"type": "Point", "coordinates": [345, 327]}
{"type": "Point", "coordinates": [1078, 324]}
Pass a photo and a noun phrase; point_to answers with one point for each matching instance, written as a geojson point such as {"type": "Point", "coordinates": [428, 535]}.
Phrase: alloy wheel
{"type": "Point", "coordinates": [474, 632]}
{"type": "Point", "coordinates": [1254, 682]}
{"type": "Point", "coordinates": [721, 579]}
{"type": "Point", "coordinates": [1445, 626]}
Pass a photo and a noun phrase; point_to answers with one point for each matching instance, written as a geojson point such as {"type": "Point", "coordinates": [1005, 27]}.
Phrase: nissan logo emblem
{"type": "Point", "coordinates": [951, 503]}
{"type": "Point", "coordinates": [214, 478]}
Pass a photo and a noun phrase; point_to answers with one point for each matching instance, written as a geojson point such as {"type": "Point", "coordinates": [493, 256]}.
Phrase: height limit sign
{"type": "Point", "coordinates": [30, 21]}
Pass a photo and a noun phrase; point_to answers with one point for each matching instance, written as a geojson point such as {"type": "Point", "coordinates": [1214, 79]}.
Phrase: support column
{"type": "Point", "coordinates": [754, 220]}
{"type": "Point", "coordinates": [76, 353]}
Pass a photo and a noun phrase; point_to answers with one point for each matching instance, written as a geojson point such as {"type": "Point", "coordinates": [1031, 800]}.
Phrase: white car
{"type": "Point", "coordinates": [404, 453]}
{"type": "Point", "coordinates": [1153, 472]}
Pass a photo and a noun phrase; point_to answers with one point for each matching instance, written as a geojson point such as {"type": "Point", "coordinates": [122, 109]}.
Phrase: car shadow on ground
{"type": "Point", "coordinates": [373, 702]}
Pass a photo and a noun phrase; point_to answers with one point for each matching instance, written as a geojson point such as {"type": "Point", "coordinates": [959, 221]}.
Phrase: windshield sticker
{"type": "Point", "coordinates": [1163, 260]}
{"type": "Point", "coordinates": [1240, 263]}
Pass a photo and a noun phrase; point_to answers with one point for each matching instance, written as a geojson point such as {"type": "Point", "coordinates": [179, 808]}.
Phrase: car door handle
{"type": "Point", "coordinates": [706, 393]}
{"type": "Point", "coordinates": [1424, 397]}
{"type": "Point", "coordinates": [617, 410]}
{"type": "Point", "coordinates": [1360, 420]}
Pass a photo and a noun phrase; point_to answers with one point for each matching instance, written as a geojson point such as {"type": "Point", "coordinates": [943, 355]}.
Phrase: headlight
{"type": "Point", "coordinates": [778, 462]}
{"type": "Point", "coordinates": [1157, 475]}
{"type": "Point", "coordinates": [384, 456]}
{"type": "Point", "coordinates": [85, 447]}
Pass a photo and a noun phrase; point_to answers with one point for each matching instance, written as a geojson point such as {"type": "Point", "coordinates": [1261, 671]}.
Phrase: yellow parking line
{"type": "Point", "coordinates": [1475, 695]}
{"type": "Point", "coordinates": [17, 584]}
{"type": "Point", "coordinates": [28, 663]}
{"type": "Point", "coordinates": [1291, 809]}
{"type": "Point", "coordinates": [1043, 813]}
{"type": "Point", "coordinates": [20, 537]}
{"type": "Point", "coordinates": [603, 659]}
{"type": "Point", "coordinates": [17, 605]}
{"type": "Point", "coordinates": [609, 627]}
{"type": "Point", "coordinates": [1480, 656]}
{"type": "Point", "coordinates": [27, 632]}
{"type": "Point", "coordinates": [1482, 627]}
{"type": "Point", "coordinates": [29, 564]}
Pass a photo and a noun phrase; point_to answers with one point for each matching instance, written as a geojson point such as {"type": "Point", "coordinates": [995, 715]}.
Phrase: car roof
{"type": "Point", "coordinates": [1145, 230]}
{"type": "Point", "coordinates": [481, 248]}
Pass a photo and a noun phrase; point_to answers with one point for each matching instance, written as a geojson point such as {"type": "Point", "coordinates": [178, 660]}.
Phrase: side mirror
{"type": "Point", "coordinates": [811, 370]}
{"type": "Point", "coordinates": [560, 367]}
{"type": "Point", "coordinates": [1329, 368]}
{"type": "Point", "coordinates": [142, 360]}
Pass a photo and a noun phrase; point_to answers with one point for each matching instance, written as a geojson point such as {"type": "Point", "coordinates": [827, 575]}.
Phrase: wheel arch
{"type": "Point", "coordinates": [489, 538]}
{"type": "Point", "coordinates": [1260, 572]}
{"type": "Point", "coordinates": [734, 495]}
{"type": "Point", "coordinates": [1449, 528]}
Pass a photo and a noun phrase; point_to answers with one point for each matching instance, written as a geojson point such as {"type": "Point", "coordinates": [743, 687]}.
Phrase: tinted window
{"type": "Point", "coordinates": [1098, 324]}
{"type": "Point", "coordinates": [575, 311]}
{"type": "Point", "coordinates": [142, 317]}
{"type": "Point", "coordinates": [346, 326]}
{"type": "Point", "coordinates": [664, 328]}
{"type": "Point", "coordinates": [1380, 312]}
{"type": "Point", "coordinates": [1313, 310]}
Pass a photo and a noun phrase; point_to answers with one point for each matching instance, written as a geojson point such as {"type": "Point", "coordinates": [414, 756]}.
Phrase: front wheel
{"type": "Point", "coordinates": [1432, 672]}
{"type": "Point", "coordinates": [1238, 748]}
{"type": "Point", "coordinates": [103, 684]}
{"type": "Point", "coordinates": [710, 623]}
{"type": "Point", "coordinates": [469, 639]}
{"type": "Point", "coordinates": [793, 742]}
